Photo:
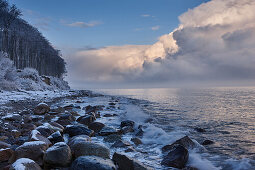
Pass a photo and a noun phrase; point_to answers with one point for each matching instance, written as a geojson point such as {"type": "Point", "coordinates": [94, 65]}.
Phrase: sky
{"type": "Point", "coordinates": [149, 43]}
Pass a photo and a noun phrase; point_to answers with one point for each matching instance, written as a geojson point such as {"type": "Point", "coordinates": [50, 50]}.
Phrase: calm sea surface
{"type": "Point", "coordinates": [227, 115]}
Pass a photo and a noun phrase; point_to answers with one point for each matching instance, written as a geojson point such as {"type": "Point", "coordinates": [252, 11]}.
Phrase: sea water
{"type": "Point", "coordinates": [227, 115]}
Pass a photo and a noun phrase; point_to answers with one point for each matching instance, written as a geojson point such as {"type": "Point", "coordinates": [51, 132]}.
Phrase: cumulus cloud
{"type": "Point", "coordinates": [84, 24]}
{"type": "Point", "coordinates": [214, 42]}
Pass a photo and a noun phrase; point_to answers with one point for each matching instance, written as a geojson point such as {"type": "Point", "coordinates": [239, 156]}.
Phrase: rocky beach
{"type": "Point", "coordinates": [80, 130]}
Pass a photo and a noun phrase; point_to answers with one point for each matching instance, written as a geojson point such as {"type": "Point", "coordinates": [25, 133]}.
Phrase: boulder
{"type": "Point", "coordinates": [36, 136]}
{"type": "Point", "coordinates": [74, 130]}
{"type": "Point", "coordinates": [92, 163]}
{"type": "Point", "coordinates": [177, 157]}
{"type": "Point", "coordinates": [44, 130]}
{"type": "Point", "coordinates": [58, 155]}
{"type": "Point", "coordinates": [5, 154]}
{"type": "Point", "coordinates": [189, 168]}
{"type": "Point", "coordinates": [126, 163]}
{"type": "Point", "coordinates": [107, 115]}
{"type": "Point", "coordinates": [32, 150]}
{"type": "Point", "coordinates": [127, 123]}
{"type": "Point", "coordinates": [136, 141]}
{"type": "Point", "coordinates": [106, 130]}
{"type": "Point", "coordinates": [25, 164]}
{"type": "Point", "coordinates": [57, 125]}
{"type": "Point", "coordinates": [13, 117]}
{"type": "Point", "coordinates": [201, 130]}
{"type": "Point", "coordinates": [207, 142]}
{"type": "Point", "coordinates": [79, 138]}
{"type": "Point", "coordinates": [41, 109]}
{"type": "Point", "coordinates": [112, 138]}
{"type": "Point", "coordinates": [96, 126]}
{"type": "Point", "coordinates": [86, 120]}
{"type": "Point", "coordinates": [185, 142]}
{"type": "Point", "coordinates": [67, 116]}
{"type": "Point", "coordinates": [85, 148]}
{"type": "Point", "coordinates": [126, 129]}
{"type": "Point", "coordinates": [64, 122]}
{"type": "Point", "coordinates": [140, 132]}
{"type": "Point", "coordinates": [56, 137]}
{"type": "Point", "coordinates": [120, 144]}
{"type": "Point", "coordinates": [4, 145]}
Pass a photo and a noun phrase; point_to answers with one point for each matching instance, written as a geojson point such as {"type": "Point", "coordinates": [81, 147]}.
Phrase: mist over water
{"type": "Point", "coordinates": [227, 114]}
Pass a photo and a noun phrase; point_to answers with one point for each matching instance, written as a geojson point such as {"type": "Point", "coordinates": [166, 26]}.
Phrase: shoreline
{"type": "Point", "coordinates": [74, 110]}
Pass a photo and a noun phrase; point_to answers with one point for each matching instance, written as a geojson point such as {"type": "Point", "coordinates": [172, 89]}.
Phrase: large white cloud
{"type": "Point", "coordinates": [215, 41]}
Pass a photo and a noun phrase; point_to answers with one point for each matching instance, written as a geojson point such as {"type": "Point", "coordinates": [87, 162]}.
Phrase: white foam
{"type": "Point", "coordinates": [195, 160]}
{"type": "Point", "coordinates": [135, 113]}
{"type": "Point", "coordinates": [242, 164]}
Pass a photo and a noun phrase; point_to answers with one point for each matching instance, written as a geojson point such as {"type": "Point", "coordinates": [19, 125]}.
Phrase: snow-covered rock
{"type": "Point", "coordinates": [25, 164]}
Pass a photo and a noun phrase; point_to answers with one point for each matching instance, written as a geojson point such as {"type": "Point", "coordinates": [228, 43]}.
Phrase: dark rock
{"type": "Point", "coordinates": [176, 158]}
{"type": "Point", "coordinates": [55, 124]}
{"type": "Point", "coordinates": [36, 118]}
{"type": "Point", "coordinates": [96, 126]}
{"type": "Point", "coordinates": [27, 119]}
{"type": "Point", "coordinates": [69, 107]}
{"type": "Point", "coordinates": [53, 113]}
{"type": "Point", "coordinates": [74, 130]}
{"type": "Point", "coordinates": [127, 123]}
{"type": "Point", "coordinates": [36, 136]}
{"type": "Point", "coordinates": [64, 122]}
{"type": "Point", "coordinates": [28, 127]}
{"type": "Point", "coordinates": [148, 120]}
{"type": "Point", "coordinates": [112, 104]}
{"type": "Point", "coordinates": [58, 110]}
{"type": "Point", "coordinates": [32, 150]}
{"type": "Point", "coordinates": [92, 163]}
{"type": "Point", "coordinates": [120, 144]}
{"type": "Point", "coordinates": [67, 116]}
{"type": "Point", "coordinates": [26, 164]}
{"type": "Point", "coordinates": [189, 168]}
{"type": "Point", "coordinates": [112, 138]}
{"type": "Point", "coordinates": [140, 132]}
{"type": "Point", "coordinates": [5, 154]}
{"type": "Point", "coordinates": [185, 142]}
{"type": "Point", "coordinates": [126, 129]}
{"type": "Point", "coordinates": [130, 149]}
{"type": "Point", "coordinates": [41, 109]}
{"type": "Point", "coordinates": [86, 120]}
{"type": "Point", "coordinates": [106, 130]}
{"type": "Point", "coordinates": [48, 117]}
{"type": "Point", "coordinates": [85, 148]}
{"type": "Point", "coordinates": [94, 109]}
{"type": "Point", "coordinates": [4, 145]}
{"type": "Point", "coordinates": [201, 130]}
{"type": "Point", "coordinates": [136, 141]}
{"type": "Point", "coordinates": [58, 155]}
{"type": "Point", "coordinates": [44, 130]}
{"type": "Point", "coordinates": [79, 138]}
{"type": "Point", "coordinates": [207, 142]}
{"type": "Point", "coordinates": [56, 137]}
{"type": "Point", "coordinates": [13, 117]}
{"type": "Point", "coordinates": [107, 115]}
{"type": "Point", "coordinates": [126, 163]}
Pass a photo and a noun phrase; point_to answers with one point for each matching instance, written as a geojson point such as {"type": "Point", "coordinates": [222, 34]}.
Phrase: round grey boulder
{"type": "Point", "coordinates": [25, 164]}
{"type": "Point", "coordinates": [85, 148]}
{"type": "Point", "coordinates": [58, 155]}
{"type": "Point", "coordinates": [92, 163]}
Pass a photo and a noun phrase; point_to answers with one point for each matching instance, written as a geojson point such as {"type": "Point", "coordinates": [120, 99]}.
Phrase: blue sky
{"type": "Point", "coordinates": [111, 22]}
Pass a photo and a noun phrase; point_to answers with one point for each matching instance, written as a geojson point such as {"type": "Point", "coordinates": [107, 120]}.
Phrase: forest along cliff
{"type": "Point", "coordinates": [22, 46]}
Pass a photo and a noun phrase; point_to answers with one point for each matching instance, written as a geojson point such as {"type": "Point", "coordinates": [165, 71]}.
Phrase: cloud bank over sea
{"type": "Point", "coordinates": [213, 42]}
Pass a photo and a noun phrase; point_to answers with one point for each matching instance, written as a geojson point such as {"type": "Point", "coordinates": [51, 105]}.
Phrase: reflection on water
{"type": "Point", "coordinates": [227, 115]}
